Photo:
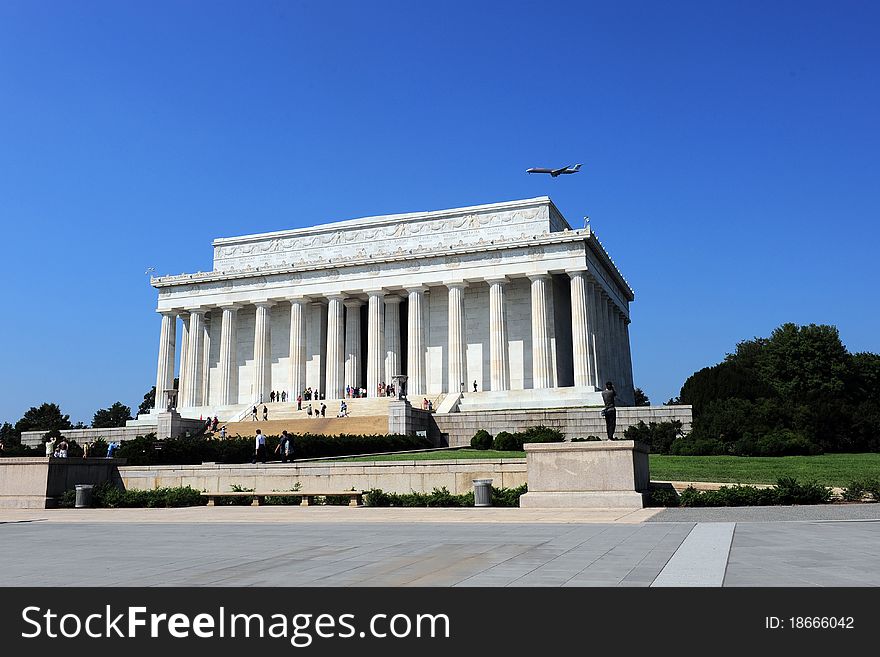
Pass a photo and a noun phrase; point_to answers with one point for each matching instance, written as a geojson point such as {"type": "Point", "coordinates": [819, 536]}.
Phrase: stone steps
{"type": "Point", "coordinates": [547, 398]}
{"type": "Point", "coordinates": [330, 426]}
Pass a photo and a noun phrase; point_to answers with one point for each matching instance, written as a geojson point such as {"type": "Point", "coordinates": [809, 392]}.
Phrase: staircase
{"type": "Point", "coordinates": [365, 416]}
{"type": "Point", "coordinates": [498, 400]}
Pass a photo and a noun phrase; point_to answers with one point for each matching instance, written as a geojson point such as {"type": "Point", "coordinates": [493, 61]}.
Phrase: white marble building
{"type": "Point", "coordinates": [505, 294]}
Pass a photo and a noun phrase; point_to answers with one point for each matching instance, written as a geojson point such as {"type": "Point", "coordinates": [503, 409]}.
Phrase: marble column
{"type": "Point", "coordinates": [335, 336]}
{"type": "Point", "coordinates": [193, 370]}
{"type": "Point", "coordinates": [456, 341]}
{"type": "Point", "coordinates": [352, 368]}
{"type": "Point", "coordinates": [580, 330]}
{"type": "Point", "coordinates": [542, 358]}
{"type": "Point", "coordinates": [499, 363]}
{"type": "Point", "coordinates": [375, 342]}
{"type": "Point", "coordinates": [415, 353]}
{"type": "Point", "coordinates": [165, 369]}
{"type": "Point", "coordinates": [262, 352]}
{"type": "Point", "coordinates": [392, 337]}
{"type": "Point", "coordinates": [228, 356]}
{"type": "Point", "coordinates": [206, 360]}
{"type": "Point", "coordinates": [297, 348]}
{"type": "Point", "coordinates": [610, 339]}
{"type": "Point", "coordinates": [182, 378]}
{"type": "Point", "coordinates": [316, 346]}
{"type": "Point", "coordinates": [601, 339]}
{"type": "Point", "coordinates": [592, 334]}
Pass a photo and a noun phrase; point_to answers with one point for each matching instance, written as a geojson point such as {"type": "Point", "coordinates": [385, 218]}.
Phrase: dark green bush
{"type": "Point", "coordinates": [581, 439]}
{"type": "Point", "coordinates": [787, 491]}
{"type": "Point", "coordinates": [441, 497]}
{"type": "Point", "coordinates": [662, 495]}
{"type": "Point", "coordinates": [515, 441]}
{"type": "Point", "coordinates": [690, 446]}
{"type": "Point", "coordinates": [866, 490]}
{"type": "Point", "coordinates": [504, 441]}
{"type": "Point", "coordinates": [107, 495]}
{"type": "Point", "coordinates": [481, 440]}
{"type": "Point", "coordinates": [146, 450]}
{"type": "Point", "coordinates": [659, 436]}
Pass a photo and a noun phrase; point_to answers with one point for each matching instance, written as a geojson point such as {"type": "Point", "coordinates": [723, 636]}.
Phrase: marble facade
{"type": "Point", "coordinates": [506, 294]}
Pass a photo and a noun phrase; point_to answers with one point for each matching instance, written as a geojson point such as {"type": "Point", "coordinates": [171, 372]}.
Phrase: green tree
{"type": "Point", "coordinates": [8, 436]}
{"type": "Point", "coordinates": [150, 399]}
{"type": "Point", "coordinates": [149, 402]}
{"type": "Point", "coordinates": [115, 416]}
{"type": "Point", "coordinates": [641, 399]}
{"type": "Point", "coordinates": [45, 417]}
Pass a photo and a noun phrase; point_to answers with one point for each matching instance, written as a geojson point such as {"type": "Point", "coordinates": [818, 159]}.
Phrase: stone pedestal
{"type": "Point", "coordinates": [596, 474]}
{"type": "Point", "coordinates": [170, 424]}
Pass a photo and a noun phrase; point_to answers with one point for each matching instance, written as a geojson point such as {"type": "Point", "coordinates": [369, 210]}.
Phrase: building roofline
{"type": "Point", "coordinates": [390, 218]}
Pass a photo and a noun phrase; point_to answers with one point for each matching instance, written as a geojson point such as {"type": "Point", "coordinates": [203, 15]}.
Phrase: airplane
{"type": "Point", "coordinates": [555, 172]}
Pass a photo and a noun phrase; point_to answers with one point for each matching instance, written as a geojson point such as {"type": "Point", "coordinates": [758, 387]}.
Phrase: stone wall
{"type": "Point", "coordinates": [390, 476]}
{"type": "Point", "coordinates": [457, 429]}
{"type": "Point", "coordinates": [36, 483]}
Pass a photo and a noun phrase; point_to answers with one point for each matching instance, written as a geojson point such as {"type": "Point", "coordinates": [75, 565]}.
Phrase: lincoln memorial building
{"type": "Point", "coordinates": [507, 295]}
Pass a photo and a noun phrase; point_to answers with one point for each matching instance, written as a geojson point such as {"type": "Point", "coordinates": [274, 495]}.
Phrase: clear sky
{"type": "Point", "coordinates": [730, 155]}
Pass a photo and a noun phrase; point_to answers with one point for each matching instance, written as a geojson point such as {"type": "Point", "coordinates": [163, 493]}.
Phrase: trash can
{"type": "Point", "coordinates": [83, 496]}
{"type": "Point", "coordinates": [482, 492]}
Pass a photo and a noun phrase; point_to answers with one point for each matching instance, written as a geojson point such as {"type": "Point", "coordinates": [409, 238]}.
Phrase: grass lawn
{"type": "Point", "coordinates": [827, 469]}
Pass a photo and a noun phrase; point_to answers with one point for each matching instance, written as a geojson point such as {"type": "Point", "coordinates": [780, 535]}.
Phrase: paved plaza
{"type": "Point", "coordinates": [289, 546]}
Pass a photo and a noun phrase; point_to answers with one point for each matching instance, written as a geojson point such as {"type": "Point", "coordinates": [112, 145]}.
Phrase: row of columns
{"type": "Point", "coordinates": [600, 343]}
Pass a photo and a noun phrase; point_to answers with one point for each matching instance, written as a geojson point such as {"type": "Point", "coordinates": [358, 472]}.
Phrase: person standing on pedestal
{"type": "Point", "coordinates": [610, 411]}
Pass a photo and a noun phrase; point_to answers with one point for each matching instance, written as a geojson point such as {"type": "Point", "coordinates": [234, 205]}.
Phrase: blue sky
{"type": "Point", "coordinates": [730, 155]}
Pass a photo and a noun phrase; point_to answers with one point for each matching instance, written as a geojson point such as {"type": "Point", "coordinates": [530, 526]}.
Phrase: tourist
{"type": "Point", "coordinates": [111, 448]}
{"type": "Point", "coordinates": [323, 410]}
{"type": "Point", "coordinates": [284, 446]}
{"type": "Point", "coordinates": [299, 402]}
{"type": "Point", "coordinates": [50, 448]}
{"type": "Point", "coordinates": [425, 404]}
{"type": "Point", "coordinates": [265, 413]}
{"type": "Point", "coordinates": [343, 409]}
{"type": "Point", "coordinates": [475, 385]}
{"type": "Point", "coordinates": [62, 448]}
{"type": "Point", "coordinates": [272, 396]}
{"type": "Point", "coordinates": [223, 432]}
{"type": "Point", "coordinates": [260, 447]}
{"type": "Point", "coordinates": [283, 395]}
{"type": "Point", "coordinates": [86, 449]}
{"type": "Point", "coordinates": [610, 411]}
{"type": "Point", "coordinates": [430, 405]}
{"type": "Point", "coordinates": [309, 410]}
{"type": "Point", "coordinates": [215, 423]}
{"type": "Point", "coordinates": [254, 414]}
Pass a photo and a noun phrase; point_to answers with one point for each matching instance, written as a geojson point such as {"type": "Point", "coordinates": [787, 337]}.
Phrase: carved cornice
{"type": "Point", "coordinates": [411, 255]}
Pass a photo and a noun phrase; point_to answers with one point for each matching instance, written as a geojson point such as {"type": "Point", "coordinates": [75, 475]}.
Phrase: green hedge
{"type": "Point", "coordinates": [146, 450]}
{"type": "Point", "coordinates": [787, 491]}
{"type": "Point", "coordinates": [507, 441]}
{"type": "Point", "coordinates": [506, 497]}
{"type": "Point", "coordinates": [108, 496]}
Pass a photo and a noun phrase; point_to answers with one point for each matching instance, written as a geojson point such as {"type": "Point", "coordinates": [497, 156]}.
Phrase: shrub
{"type": "Point", "coordinates": [662, 495]}
{"type": "Point", "coordinates": [441, 497]}
{"type": "Point", "coordinates": [146, 450]}
{"type": "Point", "coordinates": [481, 440]}
{"type": "Point", "coordinates": [659, 436]}
{"type": "Point", "coordinates": [858, 491]}
{"type": "Point", "coordinates": [787, 491]}
{"type": "Point", "coordinates": [581, 439]}
{"type": "Point", "coordinates": [514, 441]}
{"type": "Point", "coordinates": [506, 441]}
{"type": "Point", "coordinates": [689, 446]}
{"type": "Point", "coordinates": [108, 496]}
